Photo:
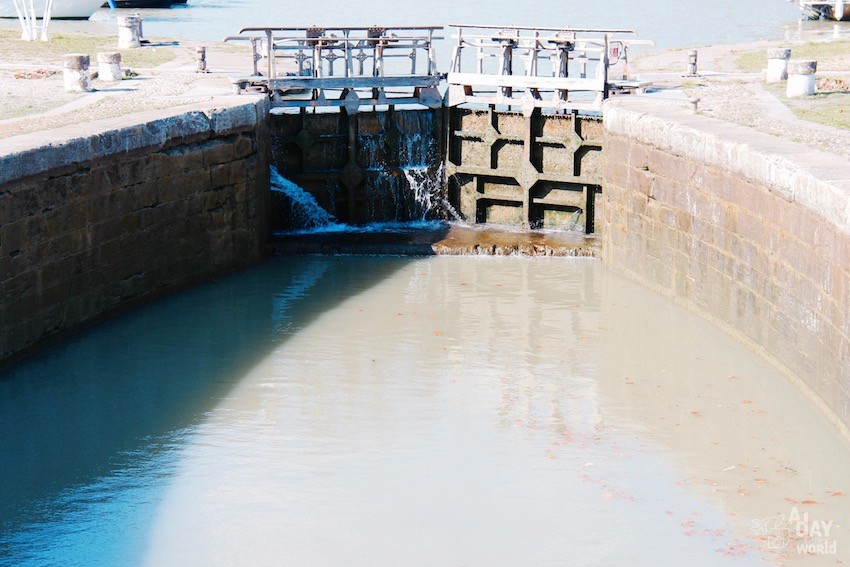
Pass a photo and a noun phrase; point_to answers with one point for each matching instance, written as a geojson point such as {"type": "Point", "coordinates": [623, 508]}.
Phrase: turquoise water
{"type": "Point", "coordinates": [88, 429]}
{"type": "Point", "coordinates": [407, 411]}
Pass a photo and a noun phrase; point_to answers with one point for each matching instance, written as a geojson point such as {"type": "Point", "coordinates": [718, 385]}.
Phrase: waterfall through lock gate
{"type": "Point", "coordinates": [427, 187]}
{"type": "Point", "coordinates": [305, 211]}
{"type": "Point", "coordinates": [431, 206]}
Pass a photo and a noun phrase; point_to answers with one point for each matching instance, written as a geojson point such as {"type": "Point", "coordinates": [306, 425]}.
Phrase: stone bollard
{"type": "Point", "coordinates": [129, 32]}
{"type": "Point", "coordinates": [692, 63]}
{"type": "Point", "coordinates": [201, 58]}
{"type": "Point", "coordinates": [801, 78]}
{"type": "Point", "coordinates": [694, 103]}
{"type": "Point", "coordinates": [76, 73]}
{"type": "Point", "coordinates": [109, 66]}
{"type": "Point", "coordinates": [777, 64]}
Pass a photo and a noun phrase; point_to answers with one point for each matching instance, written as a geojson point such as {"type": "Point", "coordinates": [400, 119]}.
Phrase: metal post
{"type": "Point", "coordinates": [255, 56]}
{"type": "Point", "coordinates": [604, 63]}
{"type": "Point", "coordinates": [270, 55]}
{"type": "Point", "coordinates": [507, 63]}
{"type": "Point", "coordinates": [456, 54]}
{"type": "Point", "coordinates": [564, 66]}
{"type": "Point", "coordinates": [348, 65]}
{"type": "Point", "coordinates": [432, 59]}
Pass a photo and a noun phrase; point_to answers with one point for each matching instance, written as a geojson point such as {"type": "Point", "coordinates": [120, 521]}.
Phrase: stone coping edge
{"type": "Point", "coordinates": [35, 153]}
{"type": "Point", "coordinates": [817, 180]}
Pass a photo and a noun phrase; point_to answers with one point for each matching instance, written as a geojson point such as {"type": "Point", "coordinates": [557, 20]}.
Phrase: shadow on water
{"type": "Point", "coordinates": [128, 390]}
{"type": "Point", "coordinates": [411, 238]}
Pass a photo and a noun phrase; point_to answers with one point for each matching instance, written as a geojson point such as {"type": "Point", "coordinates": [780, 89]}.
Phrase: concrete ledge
{"type": "Point", "coordinates": [33, 154]}
{"type": "Point", "coordinates": [816, 180]}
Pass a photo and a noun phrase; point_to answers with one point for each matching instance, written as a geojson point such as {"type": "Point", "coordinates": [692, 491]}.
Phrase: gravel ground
{"type": "Point", "coordinates": [728, 93]}
{"type": "Point", "coordinates": [750, 104]}
{"type": "Point", "coordinates": [148, 92]}
{"type": "Point", "coordinates": [32, 96]}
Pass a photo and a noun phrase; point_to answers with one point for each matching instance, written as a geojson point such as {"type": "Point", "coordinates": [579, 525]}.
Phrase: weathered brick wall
{"type": "Point", "coordinates": [749, 230]}
{"type": "Point", "coordinates": [98, 218]}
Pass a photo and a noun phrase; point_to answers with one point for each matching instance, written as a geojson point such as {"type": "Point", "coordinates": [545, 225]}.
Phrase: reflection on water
{"type": "Point", "coordinates": [386, 411]}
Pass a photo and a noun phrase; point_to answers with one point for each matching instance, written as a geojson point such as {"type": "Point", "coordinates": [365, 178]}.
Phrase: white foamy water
{"type": "Point", "coordinates": [428, 186]}
{"type": "Point", "coordinates": [306, 212]}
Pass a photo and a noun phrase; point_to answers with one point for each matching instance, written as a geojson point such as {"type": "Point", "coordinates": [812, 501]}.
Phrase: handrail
{"type": "Point", "coordinates": [555, 65]}
{"type": "Point", "coordinates": [341, 28]}
{"type": "Point", "coordinates": [316, 54]}
{"type": "Point", "coordinates": [535, 28]}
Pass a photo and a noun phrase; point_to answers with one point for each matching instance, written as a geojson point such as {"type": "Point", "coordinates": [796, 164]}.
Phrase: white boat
{"type": "Point", "coordinates": [62, 9]}
{"type": "Point", "coordinates": [839, 11]}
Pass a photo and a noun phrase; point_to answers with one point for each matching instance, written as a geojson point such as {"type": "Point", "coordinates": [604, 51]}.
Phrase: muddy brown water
{"type": "Point", "coordinates": [415, 411]}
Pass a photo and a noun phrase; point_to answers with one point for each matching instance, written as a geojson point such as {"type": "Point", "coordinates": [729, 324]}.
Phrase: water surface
{"type": "Point", "coordinates": [669, 24]}
{"type": "Point", "coordinates": [398, 411]}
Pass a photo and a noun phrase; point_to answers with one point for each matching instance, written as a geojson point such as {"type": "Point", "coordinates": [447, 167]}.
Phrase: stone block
{"type": "Point", "coordinates": [179, 159]}
{"type": "Point", "coordinates": [244, 146]}
{"type": "Point", "coordinates": [216, 152]}
{"type": "Point", "coordinates": [237, 173]}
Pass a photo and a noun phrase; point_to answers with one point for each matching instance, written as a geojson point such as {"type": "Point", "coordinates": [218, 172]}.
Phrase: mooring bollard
{"type": "Point", "coordinates": [201, 57]}
{"type": "Point", "coordinates": [109, 66]}
{"type": "Point", "coordinates": [129, 32]}
{"type": "Point", "coordinates": [694, 103]}
{"type": "Point", "coordinates": [76, 73]}
{"type": "Point", "coordinates": [692, 63]}
{"type": "Point", "coordinates": [801, 78]}
{"type": "Point", "coordinates": [777, 64]}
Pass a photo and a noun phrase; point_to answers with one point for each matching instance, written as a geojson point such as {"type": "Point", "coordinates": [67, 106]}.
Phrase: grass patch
{"type": "Point", "coordinates": [147, 57]}
{"type": "Point", "coordinates": [831, 109]}
{"type": "Point", "coordinates": [51, 52]}
{"type": "Point", "coordinates": [752, 61]}
{"type": "Point", "coordinates": [755, 61]}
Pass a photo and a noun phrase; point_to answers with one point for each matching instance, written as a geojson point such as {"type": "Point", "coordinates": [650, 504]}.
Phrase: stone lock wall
{"type": "Point", "coordinates": [750, 231]}
{"type": "Point", "coordinates": [101, 217]}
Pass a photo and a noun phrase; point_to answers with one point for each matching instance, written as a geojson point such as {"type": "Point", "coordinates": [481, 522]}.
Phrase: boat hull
{"type": "Point", "coordinates": [144, 3]}
{"type": "Point", "coordinates": [841, 11]}
{"type": "Point", "coordinates": [62, 9]}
